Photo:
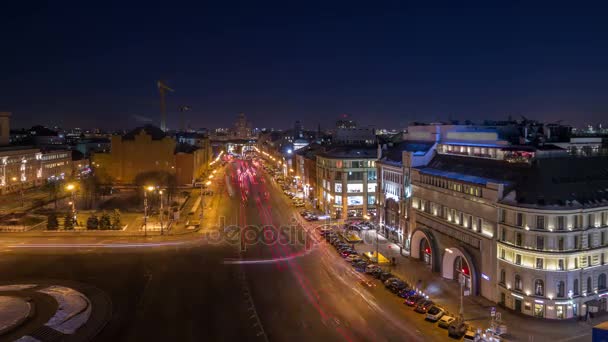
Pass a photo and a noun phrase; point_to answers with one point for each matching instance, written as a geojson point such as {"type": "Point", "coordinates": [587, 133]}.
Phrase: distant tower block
{"type": "Point", "coordinates": [5, 128]}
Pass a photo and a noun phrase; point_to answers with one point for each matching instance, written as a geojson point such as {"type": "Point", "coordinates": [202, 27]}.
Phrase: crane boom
{"type": "Point", "coordinates": [162, 90]}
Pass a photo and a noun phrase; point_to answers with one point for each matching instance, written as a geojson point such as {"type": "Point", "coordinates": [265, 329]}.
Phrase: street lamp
{"type": "Point", "coordinates": [200, 217]}
{"type": "Point", "coordinates": [160, 213]}
{"type": "Point", "coordinates": [71, 187]}
{"type": "Point", "coordinates": [146, 189]}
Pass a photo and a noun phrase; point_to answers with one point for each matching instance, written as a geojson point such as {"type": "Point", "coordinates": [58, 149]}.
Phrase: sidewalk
{"type": "Point", "coordinates": [476, 308]}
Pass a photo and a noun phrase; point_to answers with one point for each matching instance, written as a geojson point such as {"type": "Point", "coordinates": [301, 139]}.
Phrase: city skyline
{"type": "Point", "coordinates": [384, 65]}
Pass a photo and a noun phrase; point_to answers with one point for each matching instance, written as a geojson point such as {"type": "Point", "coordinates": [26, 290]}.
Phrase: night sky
{"type": "Point", "coordinates": [384, 63]}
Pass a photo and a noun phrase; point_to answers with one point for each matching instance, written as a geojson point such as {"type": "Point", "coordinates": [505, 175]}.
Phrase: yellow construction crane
{"type": "Point", "coordinates": [162, 90]}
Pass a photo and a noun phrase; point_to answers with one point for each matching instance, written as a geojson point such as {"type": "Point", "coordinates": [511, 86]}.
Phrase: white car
{"type": "Point", "coordinates": [445, 321]}
{"type": "Point", "coordinates": [434, 313]}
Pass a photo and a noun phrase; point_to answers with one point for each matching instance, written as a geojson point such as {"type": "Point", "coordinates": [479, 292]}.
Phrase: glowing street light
{"type": "Point", "coordinates": [146, 190]}
{"type": "Point", "coordinates": [71, 187]}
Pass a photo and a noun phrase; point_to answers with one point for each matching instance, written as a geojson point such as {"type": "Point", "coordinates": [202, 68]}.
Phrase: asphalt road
{"type": "Point", "coordinates": [222, 291]}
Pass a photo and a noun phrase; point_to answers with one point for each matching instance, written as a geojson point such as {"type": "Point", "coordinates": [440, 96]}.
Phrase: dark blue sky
{"type": "Point", "coordinates": [385, 63]}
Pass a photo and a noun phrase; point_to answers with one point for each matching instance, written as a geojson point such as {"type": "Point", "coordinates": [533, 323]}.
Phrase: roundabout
{"type": "Point", "coordinates": [52, 311]}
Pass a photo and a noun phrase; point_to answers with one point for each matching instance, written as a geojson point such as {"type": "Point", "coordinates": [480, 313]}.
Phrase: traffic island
{"type": "Point", "coordinates": [13, 312]}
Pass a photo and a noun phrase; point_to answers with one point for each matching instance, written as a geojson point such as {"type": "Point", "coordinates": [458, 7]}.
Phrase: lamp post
{"type": "Point", "coordinates": [160, 213]}
{"type": "Point", "coordinates": [71, 188]}
{"type": "Point", "coordinates": [146, 189]}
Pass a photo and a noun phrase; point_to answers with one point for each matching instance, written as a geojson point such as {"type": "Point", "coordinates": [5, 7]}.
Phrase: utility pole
{"type": "Point", "coordinates": [145, 213]}
{"type": "Point", "coordinates": [461, 279]}
{"type": "Point", "coordinates": [162, 90]}
{"type": "Point", "coordinates": [160, 214]}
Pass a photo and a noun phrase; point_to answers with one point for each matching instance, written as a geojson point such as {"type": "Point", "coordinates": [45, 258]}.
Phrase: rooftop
{"type": "Point", "coordinates": [473, 170]}
{"type": "Point", "coordinates": [351, 152]}
{"type": "Point", "coordinates": [573, 182]}
{"type": "Point", "coordinates": [155, 132]}
{"type": "Point", "coordinates": [394, 153]}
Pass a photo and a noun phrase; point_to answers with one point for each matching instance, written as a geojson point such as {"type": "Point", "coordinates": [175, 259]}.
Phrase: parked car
{"type": "Point", "coordinates": [360, 266]}
{"type": "Point", "coordinates": [434, 313]}
{"type": "Point", "coordinates": [413, 300]}
{"type": "Point", "coordinates": [470, 336]}
{"type": "Point", "coordinates": [396, 287]}
{"type": "Point", "coordinates": [347, 252]}
{"type": "Point", "coordinates": [423, 307]}
{"type": "Point", "coordinates": [457, 328]}
{"type": "Point", "coordinates": [353, 257]}
{"type": "Point", "coordinates": [445, 321]}
{"type": "Point", "coordinates": [385, 275]}
{"type": "Point", "coordinates": [371, 268]}
{"type": "Point", "coordinates": [406, 292]}
{"type": "Point", "coordinates": [377, 273]}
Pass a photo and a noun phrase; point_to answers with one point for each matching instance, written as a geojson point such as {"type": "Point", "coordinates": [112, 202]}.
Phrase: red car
{"type": "Point", "coordinates": [412, 300]}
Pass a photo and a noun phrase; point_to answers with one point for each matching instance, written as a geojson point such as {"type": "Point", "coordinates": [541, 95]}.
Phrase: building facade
{"type": "Point", "coordinates": [553, 240]}
{"type": "Point", "coordinates": [145, 149]}
{"type": "Point", "coordinates": [346, 182]}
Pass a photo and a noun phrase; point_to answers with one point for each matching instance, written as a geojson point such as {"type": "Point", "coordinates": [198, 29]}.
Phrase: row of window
{"type": "Point", "coordinates": [475, 151]}
{"type": "Point", "coordinates": [539, 262]}
{"type": "Point", "coordinates": [543, 243]}
{"type": "Point", "coordinates": [350, 175]}
{"type": "Point", "coordinates": [391, 176]}
{"type": "Point", "coordinates": [454, 186]}
{"type": "Point", "coordinates": [451, 215]}
{"type": "Point", "coordinates": [355, 200]}
{"type": "Point", "coordinates": [560, 286]}
{"type": "Point", "coordinates": [347, 164]}
{"type": "Point", "coordinates": [558, 222]}
{"type": "Point", "coordinates": [358, 187]}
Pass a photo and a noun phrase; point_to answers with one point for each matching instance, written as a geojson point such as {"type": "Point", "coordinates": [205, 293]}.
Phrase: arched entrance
{"type": "Point", "coordinates": [456, 265]}
{"type": "Point", "coordinates": [423, 248]}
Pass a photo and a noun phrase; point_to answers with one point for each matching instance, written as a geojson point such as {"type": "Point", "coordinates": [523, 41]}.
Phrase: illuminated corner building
{"type": "Point", "coordinates": [23, 167]}
{"type": "Point", "coordinates": [306, 169]}
{"type": "Point", "coordinates": [455, 195]}
{"type": "Point", "coordinates": [394, 190]}
{"type": "Point", "coordinates": [144, 149]}
{"type": "Point", "coordinates": [553, 239]}
{"type": "Point", "coordinates": [346, 181]}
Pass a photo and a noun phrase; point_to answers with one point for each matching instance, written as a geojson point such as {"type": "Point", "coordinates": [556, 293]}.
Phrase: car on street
{"type": "Point", "coordinates": [385, 275]}
{"type": "Point", "coordinates": [434, 313]}
{"type": "Point", "coordinates": [346, 252]}
{"type": "Point", "coordinates": [397, 287]}
{"type": "Point", "coordinates": [406, 292]}
{"type": "Point", "coordinates": [353, 257]}
{"type": "Point", "coordinates": [360, 266]}
{"type": "Point", "coordinates": [423, 307]}
{"type": "Point", "coordinates": [413, 300]}
{"type": "Point", "coordinates": [371, 268]}
{"type": "Point", "coordinates": [311, 217]}
{"type": "Point", "coordinates": [471, 336]}
{"type": "Point", "coordinates": [458, 328]}
{"type": "Point", "coordinates": [445, 321]}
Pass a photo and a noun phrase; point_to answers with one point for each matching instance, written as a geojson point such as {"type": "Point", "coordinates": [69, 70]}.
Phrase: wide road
{"type": "Point", "coordinates": [245, 285]}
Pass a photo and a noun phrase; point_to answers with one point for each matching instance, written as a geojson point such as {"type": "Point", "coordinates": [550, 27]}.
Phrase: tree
{"type": "Point", "coordinates": [53, 187]}
{"type": "Point", "coordinates": [116, 223]}
{"type": "Point", "coordinates": [52, 223]}
{"type": "Point", "coordinates": [92, 222]}
{"type": "Point", "coordinates": [90, 190]}
{"type": "Point", "coordinates": [68, 222]}
{"type": "Point", "coordinates": [104, 221]}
